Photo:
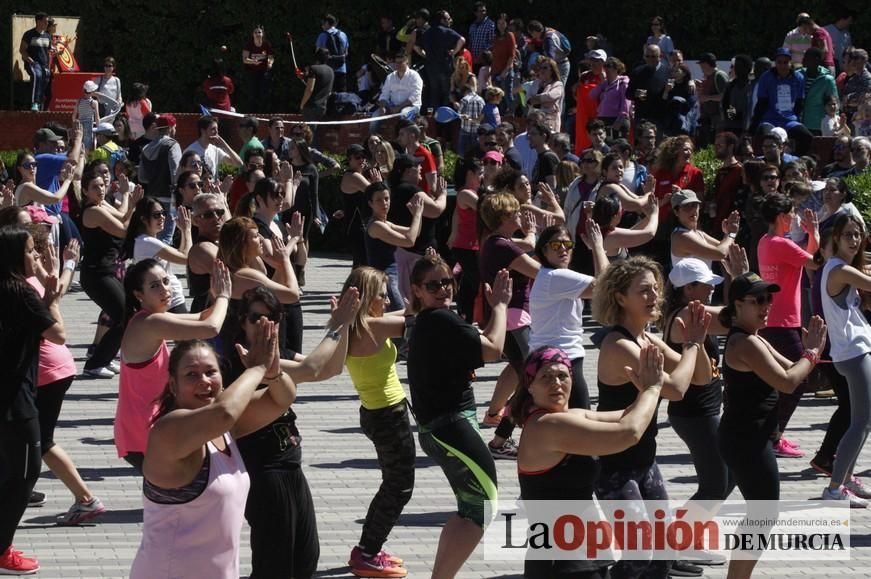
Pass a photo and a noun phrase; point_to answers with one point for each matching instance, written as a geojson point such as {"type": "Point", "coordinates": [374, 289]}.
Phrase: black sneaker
{"type": "Point", "coordinates": [37, 499]}
{"type": "Point", "coordinates": [685, 569]}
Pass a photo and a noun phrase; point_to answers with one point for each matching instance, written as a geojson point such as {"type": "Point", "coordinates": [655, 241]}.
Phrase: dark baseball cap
{"type": "Point", "coordinates": [356, 149]}
{"type": "Point", "coordinates": [749, 284]}
{"type": "Point", "coordinates": [45, 136]}
{"type": "Point", "coordinates": [403, 162]}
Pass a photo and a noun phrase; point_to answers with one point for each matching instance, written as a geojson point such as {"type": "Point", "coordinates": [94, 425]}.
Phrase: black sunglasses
{"type": "Point", "coordinates": [254, 166]}
{"type": "Point", "coordinates": [194, 185]}
{"type": "Point", "coordinates": [158, 214]}
{"type": "Point", "coordinates": [212, 213]}
{"type": "Point", "coordinates": [491, 144]}
{"type": "Point", "coordinates": [770, 177]}
{"type": "Point", "coordinates": [437, 284]}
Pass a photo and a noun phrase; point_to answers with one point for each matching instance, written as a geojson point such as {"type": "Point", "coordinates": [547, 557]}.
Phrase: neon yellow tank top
{"type": "Point", "coordinates": [375, 378]}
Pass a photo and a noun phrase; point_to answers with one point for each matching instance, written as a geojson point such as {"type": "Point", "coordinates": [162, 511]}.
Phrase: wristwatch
{"type": "Point", "coordinates": [335, 334]}
{"type": "Point", "coordinates": [733, 235]}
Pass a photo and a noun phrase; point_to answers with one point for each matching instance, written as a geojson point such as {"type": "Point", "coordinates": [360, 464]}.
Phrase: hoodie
{"type": "Point", "coordinates": [816, 91]}
{"type": "Point", "coordinates": [149, 171]}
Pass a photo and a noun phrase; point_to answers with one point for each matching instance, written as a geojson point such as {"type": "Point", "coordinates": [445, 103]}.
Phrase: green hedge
{"type": "Point", "coordinates": [170, 45]}
{"type": "Point", "coordinates": [860, 185]}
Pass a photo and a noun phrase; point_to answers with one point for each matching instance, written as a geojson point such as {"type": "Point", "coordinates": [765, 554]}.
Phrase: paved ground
{"type": "Point", "coordinates": [342, 471]}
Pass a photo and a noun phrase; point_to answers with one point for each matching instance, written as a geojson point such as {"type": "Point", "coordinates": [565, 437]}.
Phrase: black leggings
{"type": "Point", "coordinates": [390, 431]}
{"type": "Point", "coordinates": [284, 531]}
{"type": "Point", "coordinates": [20, 461]}
{"type": "Point", "coordinates": [787, 342]}
{"type": "Point", "coordinates": [49, 399]}
{"type": "Point", "coordinates": [579, 397]}
{"type": "Point", "coordinates": [107, 292]}
{"type": "Point", "coordinates": [840, 420]}
{"type": "Point", "coordinates": [751, 459]}
{"type": "Point", "coordinates": [291, 328]}
{"type": "Point", "coordinates": [516, 349]}
{"type": "Point", "coordinates": [699, 433]}
{"type": "Point", "coordinates": [469, 282]}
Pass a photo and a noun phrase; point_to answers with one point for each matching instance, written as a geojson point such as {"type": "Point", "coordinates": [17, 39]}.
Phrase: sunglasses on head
{"type": "Point", "coordinates": [558, 244]}
{"type": "Point", "coordinates": [437, 284]}
{"type": "Point", "coordinates": [254, 317]}
{"type": "Point", "coordinates": [760, 299]}
{"type": "Point", "coordinates": [212, 213]}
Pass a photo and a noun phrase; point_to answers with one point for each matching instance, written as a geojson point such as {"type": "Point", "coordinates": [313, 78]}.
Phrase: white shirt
{"type": "Point", "coordinates": [212, 156]}
{"type": "Point", "coordinates": [556, 307]}
{"type": "Point", "coordinates": [849, 332]}
{"type": "Point", "coordinates": [528, 155]}
{"type": "Point", "coordinates": [397, 90]}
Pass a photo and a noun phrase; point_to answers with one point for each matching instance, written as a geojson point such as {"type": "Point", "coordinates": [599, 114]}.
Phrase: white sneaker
{"type": "Point", "coordinates": [858, 488]}
{"type": "Point", "coordinates": [114, 366]}
{"type": "Point", "coordinates": [842, 494]}
{"type": "Point", "coordinates": [103, 373]}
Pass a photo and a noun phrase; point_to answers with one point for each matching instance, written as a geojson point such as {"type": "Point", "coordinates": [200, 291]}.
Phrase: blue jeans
{"type": "Point", "coordinates": [506, 83]}
{"type": "Point", "coordinates": [39, 77]}
{"type": "Point", "coordinates": [168, 225]}
{"type": "Point", "coordinates": [396, 302]}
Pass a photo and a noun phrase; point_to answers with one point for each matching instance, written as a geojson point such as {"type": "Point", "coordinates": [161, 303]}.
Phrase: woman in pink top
{"type": "Point", "coordinates": [57, 370]}
{"type": "Point", "coordinates": [144, 355]}
{"type": "Point", "coordinates": [781, 261]}
{"type": "Point", "coordinates": [196, 484]}
{"type": "Point", "coordinates": [464, 235]}
{"type": "Point", "coordinates": [137, 106]}
{"type": "Point", "coordinates": [614, 107]}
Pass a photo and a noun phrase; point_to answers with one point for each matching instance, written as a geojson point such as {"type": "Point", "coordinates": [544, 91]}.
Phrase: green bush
{"type": "Point", "coordinates": [860, 185]}
{"type": "Point", "coordinates": [707, 161]}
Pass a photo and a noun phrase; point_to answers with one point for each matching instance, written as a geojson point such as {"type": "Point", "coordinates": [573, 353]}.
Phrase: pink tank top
{"type": "Point", "coordinates": [199, 538]}
{"type": "Point", "coordinates": [467, 235]}
{"type": "Point", "coordinates": [56, 362]}
{"type": "Point", "coordinates": [138, 388]}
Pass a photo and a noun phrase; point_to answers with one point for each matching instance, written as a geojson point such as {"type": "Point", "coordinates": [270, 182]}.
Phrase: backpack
{"type": "Point", "coordinates": [336, 55]}
{"type": "Point", "coordinates": [561, 41]}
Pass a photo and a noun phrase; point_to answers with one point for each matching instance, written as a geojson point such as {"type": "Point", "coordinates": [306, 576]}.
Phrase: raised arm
{"type": "Point", "coordinates": [493, 338]}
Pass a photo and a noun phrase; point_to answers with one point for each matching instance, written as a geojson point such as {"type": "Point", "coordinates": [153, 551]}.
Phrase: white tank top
{"type": "Point", "coordinates": [849, 332]}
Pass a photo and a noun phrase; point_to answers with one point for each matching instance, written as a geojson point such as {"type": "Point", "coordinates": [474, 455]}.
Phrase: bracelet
{"type": "Point", "coordinates": [70, 264]}
{"type": "Point", "coordinates": [687, 344]}
{"type": "Point", "coordinates": [811, 356]}
{"type": "Point", "coordinates": [271, 378]}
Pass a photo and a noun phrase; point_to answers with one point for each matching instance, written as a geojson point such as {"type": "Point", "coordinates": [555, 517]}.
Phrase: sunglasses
{"type": "Point", "coordinates": [438, 284]}
{"type": "Point", "coordinates": [558, 244]}
{"type": "Point", "coordinates": [30, 165]}
{"type": "Point", "coordinates": [492, 162]}
{"type": "Point", "coordinates": [254, 317]}
{"type": "Point", "coordinates": [158, 214]}
{"type": "Point", "coordinates": [760, 300]}
{"type": "Point", "coordinates": [254, 166]}
{"type": "Point", "coordinates": [212, 213]}
{"type": "Point", "coordinates": [195, 163]}
{"type": "Point", "coordinates": [491, 144]}
{"type": "Point", "coordinates": [194, 185]}
{"type": "Point", "coordinates": [770, 177]}
{"type": "Point", "coordinates": [589, 160]}
{"type": "Point", "coordinates": [384, 296]}
{"type": "Point", "coordinates": [609, 65]}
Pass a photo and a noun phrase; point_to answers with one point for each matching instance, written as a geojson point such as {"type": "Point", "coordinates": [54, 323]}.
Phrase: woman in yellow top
{"type": "Point", "coordinates": [371, 363]}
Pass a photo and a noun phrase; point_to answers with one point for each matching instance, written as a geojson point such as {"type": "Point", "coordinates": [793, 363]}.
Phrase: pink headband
{"type": "Point", "coordinates": [542, 357]}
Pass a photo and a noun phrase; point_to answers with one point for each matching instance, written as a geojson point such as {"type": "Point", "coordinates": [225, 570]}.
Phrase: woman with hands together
{"type": "Point", "coordinates": [443, 353]}
{"type": "Point", "coordinates": [556, 459]}
{"type": "Point", "coordinates": [627, 297]}
{"type": "Point", "coordinates": [195, 481]}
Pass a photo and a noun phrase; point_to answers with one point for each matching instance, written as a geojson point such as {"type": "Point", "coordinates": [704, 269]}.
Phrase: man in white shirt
{"type": "Point", "coordinates": [401, 92]}
{"type": "Point", "coordinates": [212, 148]}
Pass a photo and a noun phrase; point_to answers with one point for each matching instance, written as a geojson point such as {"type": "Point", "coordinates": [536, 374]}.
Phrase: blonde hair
{"type": "Point", "coordinates": [369, 282]}
{"type": "Point", "coordinates": [388, 152]}
{"type": "Point", "coordinates": [616, 279]}
{"type": "Point", "coordinates": [494, 208]}
{"type": "Point", "coordinates": [493, 93]}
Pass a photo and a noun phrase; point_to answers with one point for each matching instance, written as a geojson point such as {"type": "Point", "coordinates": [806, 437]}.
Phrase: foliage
{"type": "Point", "coordinates": [860, 185]}
{"type": "Point", "coordinates": [171, 45]}
{"type": "Point", "coordinates": [707, 161]}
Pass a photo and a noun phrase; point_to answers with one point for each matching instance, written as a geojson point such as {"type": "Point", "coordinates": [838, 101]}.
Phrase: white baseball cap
{"type": "Point", "coordinates": [691, 269]}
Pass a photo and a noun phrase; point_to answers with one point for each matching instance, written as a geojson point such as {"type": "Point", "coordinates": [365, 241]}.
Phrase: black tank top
{"type": "Point", "coordinates": [699, 400]}
{"type": "Point", "coordinates": [573, 479]}
{"type": "Point", "coordinates": [198, 284]}
{"type": "Point", "coordinates": [379, 253]}
{"type": "Point", "coordinates": [99, 250]}
{"type": "Point", "coordinates": [621, 397]}
{"type": "Point", "coordinates": [748, 401]}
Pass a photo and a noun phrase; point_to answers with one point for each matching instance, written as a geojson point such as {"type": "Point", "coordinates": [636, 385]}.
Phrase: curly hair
{"type": "Point", "coordinates": [668, 151]}
{"type": "Point", "coordinates": [616, 279]}
{"type": "Point", "coordinates": [496, 207]}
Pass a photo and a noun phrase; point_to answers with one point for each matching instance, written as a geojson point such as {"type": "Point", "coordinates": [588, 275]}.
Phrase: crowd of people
{"type": "Point", "coordinates": [546, 226]}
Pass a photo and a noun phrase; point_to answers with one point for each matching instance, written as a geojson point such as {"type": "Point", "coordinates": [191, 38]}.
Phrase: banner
{"type": "Point", "coordinates": [67, 89]}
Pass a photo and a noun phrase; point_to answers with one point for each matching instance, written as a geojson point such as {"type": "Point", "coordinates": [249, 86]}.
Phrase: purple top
{"type": "Point", "coordinates": [611, 97]}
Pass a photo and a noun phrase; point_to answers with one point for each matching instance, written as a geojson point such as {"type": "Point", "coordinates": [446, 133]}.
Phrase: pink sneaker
{"type": "Point", "coordinates": [790, 443]}
{"type": "Point", "coordinates": [783, 450]}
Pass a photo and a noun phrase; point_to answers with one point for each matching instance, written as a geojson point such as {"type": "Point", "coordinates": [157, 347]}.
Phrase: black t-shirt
{"type": "Point", "coordinates": [24, 320]}
{"type": "Point", "coordinates": [276, 446]}
{"type": "Point", "coordinates": [38, 44]}
{"type": "Point", "coordinates": [545, 166]}
{"type": "Point", "coordinates": [323, 76]}
{"type": "Point", "coordinates": [443, 352]}
{"type": "Point", "coordinates": [513, 158]}
{"type": "Point", "coordinates": [400, 215]}
{"type": "Point", "coordinates": [438, 41]}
